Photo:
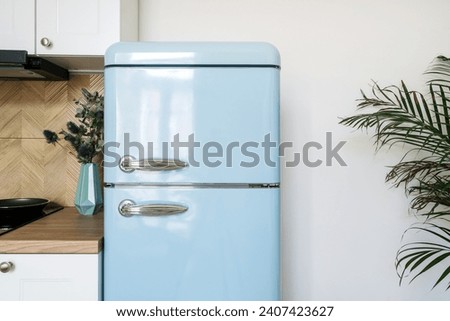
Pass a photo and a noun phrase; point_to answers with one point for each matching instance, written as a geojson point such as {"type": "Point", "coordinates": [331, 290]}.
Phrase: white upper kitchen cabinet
{"type": "Point", "coordinates": [83, 27]}
{"type": "Point", "coordinates": [72, 33]}
{"type": "Point", "coordinates": [17, 25]}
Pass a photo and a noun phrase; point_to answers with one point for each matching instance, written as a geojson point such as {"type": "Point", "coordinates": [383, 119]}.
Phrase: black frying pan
{"type": "Point", "coordinates": [17, 211]}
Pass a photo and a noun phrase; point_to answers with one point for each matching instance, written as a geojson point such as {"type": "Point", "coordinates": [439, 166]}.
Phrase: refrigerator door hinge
{"type": "Point", "coordinates": [264, 185]}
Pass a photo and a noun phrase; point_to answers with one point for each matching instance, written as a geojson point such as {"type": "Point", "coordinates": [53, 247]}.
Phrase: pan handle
{"type": "Point", "coordinates": [130, 164]}
{"type": "Point", "coordinates": [129, 208]}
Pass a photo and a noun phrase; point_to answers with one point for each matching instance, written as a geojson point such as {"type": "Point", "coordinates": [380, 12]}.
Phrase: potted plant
{"type": "Point", "coordinates": [421, 121]}
{"type": "Point", "coordinates": [86, 138]}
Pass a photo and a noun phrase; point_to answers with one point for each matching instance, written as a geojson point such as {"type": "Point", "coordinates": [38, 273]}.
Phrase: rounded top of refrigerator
{"type": "Point", "coordinates": [192, 53]}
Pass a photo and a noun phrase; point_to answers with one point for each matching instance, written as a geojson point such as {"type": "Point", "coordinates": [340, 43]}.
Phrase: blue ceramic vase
{"type": "Point", "coordinates": [88, 199]}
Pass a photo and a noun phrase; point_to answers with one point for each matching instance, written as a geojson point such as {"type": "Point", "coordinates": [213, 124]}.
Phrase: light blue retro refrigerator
{"type": "Point", "coordinates": [191, 171]}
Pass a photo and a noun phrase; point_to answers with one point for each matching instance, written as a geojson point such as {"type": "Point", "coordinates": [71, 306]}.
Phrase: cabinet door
{"type": "Point", "coordinates": [76, 27]}
{"type": "Point", "coordinates": [17, 25]}
{"type": "Point", "coordinates": [41, 277]}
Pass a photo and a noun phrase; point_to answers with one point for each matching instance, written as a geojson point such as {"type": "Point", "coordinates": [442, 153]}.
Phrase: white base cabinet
{"type": "Point", "coordinates": [52, 277]}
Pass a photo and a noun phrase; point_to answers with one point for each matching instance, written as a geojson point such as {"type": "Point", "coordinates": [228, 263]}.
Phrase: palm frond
{"type": "Point", "coordinates": [416, 258]}
{"type": "Point", "coordinates": [405, 172]}
{"type": "Point", "coordinates": [439, 71]}
{"type": "Point", "coordinates": [407, 117]}
{"type": "Point", "coordinates": [432, 198]}
{"type": "Point", "coordinates": [422, 122]}
{"type": "Point", "coordinates": [428, 181]}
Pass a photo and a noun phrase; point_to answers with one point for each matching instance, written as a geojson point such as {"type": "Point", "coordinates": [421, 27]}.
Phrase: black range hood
{"type": "Point", "coordinates": [17, 64]}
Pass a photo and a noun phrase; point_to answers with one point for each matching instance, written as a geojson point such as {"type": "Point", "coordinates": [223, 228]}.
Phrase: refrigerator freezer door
{"type": "Point", "coordinates": [201, 124]}
{"type": "Point", "coordinates": [192, 53]}
{"type": "Point", "coordinates": [225, 246]}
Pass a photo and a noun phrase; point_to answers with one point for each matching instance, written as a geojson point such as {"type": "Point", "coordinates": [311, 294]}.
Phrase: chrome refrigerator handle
{"type": "Point", "coordinates": [129, 164]}
{"type": "Point", "coordinates": [128, 208]}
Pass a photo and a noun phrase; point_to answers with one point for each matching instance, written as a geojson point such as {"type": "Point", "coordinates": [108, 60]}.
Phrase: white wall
{"type": "Point", "coordinates": [341, 225]}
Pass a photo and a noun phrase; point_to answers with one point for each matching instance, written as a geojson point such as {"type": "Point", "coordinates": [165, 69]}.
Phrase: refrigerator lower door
{"type": "Point", "coordinates": [211, 244]}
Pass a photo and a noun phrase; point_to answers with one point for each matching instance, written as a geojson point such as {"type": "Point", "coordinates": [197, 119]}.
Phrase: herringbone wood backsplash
{"type": "Point", "coordinates": [29, 167]}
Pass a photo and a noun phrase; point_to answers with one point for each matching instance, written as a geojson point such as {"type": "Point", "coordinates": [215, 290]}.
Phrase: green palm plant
{"type": "Point", "coordinates": [422, 122]}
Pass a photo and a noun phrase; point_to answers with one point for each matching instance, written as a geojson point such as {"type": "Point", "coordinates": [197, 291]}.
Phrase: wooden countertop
{"type": "Point", "coordinates": [63, 232]}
